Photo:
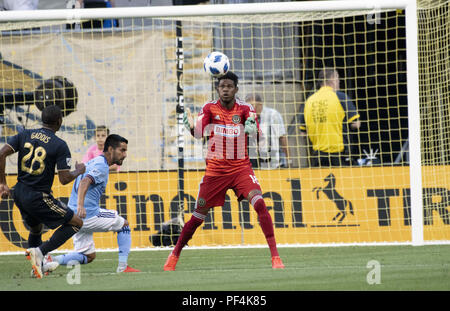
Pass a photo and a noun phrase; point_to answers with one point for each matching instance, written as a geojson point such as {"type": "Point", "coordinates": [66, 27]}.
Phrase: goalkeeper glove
{"type": "Point", "coordinates": [187, 120]}
{"type": "Point", "coordinates": [250, 125]}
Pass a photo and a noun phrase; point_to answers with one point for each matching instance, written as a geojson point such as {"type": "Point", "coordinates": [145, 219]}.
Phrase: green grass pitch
{"type": "Point", "coordinates": [401, 268]}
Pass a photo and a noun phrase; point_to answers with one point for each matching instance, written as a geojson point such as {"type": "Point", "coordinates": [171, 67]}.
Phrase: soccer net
{"type": "Point", "coordinates": [135, 70]}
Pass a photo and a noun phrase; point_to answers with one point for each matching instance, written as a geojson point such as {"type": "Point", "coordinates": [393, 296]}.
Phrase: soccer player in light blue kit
{"type": "Point", "coordinates": [85, 202]}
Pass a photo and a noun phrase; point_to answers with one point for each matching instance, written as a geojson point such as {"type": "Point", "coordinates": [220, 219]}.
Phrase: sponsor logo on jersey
{"type": "Point", "coordinates": [227, 130]}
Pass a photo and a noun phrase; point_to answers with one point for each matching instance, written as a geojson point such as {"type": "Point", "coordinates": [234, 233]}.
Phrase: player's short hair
{"type": "Point", "coordinates": [51, 115]}
{"type": "Point", "coordinates": [253, 96]}
{"type": "Point", "coordinates": [229, 75]}
{"type": "Point", "coordinates": [327, 74]}
{"type": "Point", "coordinates": [114, 141]}
{"type": "Point", "coordinates": [102, 128]}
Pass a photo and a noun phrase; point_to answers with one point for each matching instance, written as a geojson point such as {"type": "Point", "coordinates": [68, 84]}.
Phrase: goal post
{"type": "Point", "coordinates": [415, 162]}
{"type": "Point", "coordinates": [138, 79]}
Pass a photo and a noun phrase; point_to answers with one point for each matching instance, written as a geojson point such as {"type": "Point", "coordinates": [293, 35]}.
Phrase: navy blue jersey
{"type": "Point", "coordinates": [40, 151]}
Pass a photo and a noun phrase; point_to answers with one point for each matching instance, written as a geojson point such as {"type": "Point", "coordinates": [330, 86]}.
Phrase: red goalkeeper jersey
{"type": "Point", "coordinates": [227, 143]}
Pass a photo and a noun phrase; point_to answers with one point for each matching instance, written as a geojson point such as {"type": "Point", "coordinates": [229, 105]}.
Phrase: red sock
{"type": "Point", "coordinates": [187, 232]}
{"type": "Point", "coordinates": [265, 221]}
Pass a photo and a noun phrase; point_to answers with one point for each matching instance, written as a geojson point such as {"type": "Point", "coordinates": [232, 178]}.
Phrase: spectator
{"type": "Point", "coordinates": [88, 3]}
{"type": "Point", "coordinates": [16, 5]}
{"type": "Point", "coordinates": [328, 116]}
{"type": "Point", "coordinates": [101, 132]}
{"type": "Point", "coordinates": [272, 151]}
{"type": "Point", "coordinates": [106, 23]}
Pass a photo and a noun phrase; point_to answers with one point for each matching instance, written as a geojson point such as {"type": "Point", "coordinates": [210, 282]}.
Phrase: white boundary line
{"type": "Point", "coordinates": [247, 246]}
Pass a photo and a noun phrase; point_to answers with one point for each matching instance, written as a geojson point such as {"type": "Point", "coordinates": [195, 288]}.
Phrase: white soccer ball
{"type": "Point", "coordinates": [216, 64]}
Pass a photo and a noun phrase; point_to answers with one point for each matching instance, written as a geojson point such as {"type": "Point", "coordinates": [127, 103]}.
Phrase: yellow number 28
{"type": "Point", "coordinates": [39, 156]}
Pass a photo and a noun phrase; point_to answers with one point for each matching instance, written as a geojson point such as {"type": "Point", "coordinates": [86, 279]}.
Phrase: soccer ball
{"type": "Point", "coordinates": [216, 64]}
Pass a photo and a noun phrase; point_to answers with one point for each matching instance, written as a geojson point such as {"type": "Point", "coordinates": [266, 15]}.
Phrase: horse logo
{"type": "Point", "coordinates": [340, 202]}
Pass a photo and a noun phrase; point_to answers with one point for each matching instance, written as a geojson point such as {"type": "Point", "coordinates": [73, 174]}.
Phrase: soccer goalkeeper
{"type": "Point", "coordinates": [227, 121]}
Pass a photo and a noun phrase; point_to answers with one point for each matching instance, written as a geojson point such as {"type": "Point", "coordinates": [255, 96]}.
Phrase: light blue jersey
{"type": "Point", "coordinates": [98, 170]}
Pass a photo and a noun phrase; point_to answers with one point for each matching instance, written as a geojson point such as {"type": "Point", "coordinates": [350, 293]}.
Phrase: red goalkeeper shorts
{"type": "Point", "coordinates": [214, 188]}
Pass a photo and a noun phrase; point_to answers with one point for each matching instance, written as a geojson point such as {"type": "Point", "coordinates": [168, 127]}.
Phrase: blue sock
{"type": "Point", "coordinates": [124, 242]}
{"type": "Point", "coordinates": [65, 259]}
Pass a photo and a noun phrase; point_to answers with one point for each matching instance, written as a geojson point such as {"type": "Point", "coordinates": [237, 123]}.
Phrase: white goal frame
{"type": "Point", "coordinates": [76, 15]}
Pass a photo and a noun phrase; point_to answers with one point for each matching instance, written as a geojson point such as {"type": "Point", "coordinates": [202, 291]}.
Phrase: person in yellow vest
{"type": "Point", "coordinates": [328, 115]}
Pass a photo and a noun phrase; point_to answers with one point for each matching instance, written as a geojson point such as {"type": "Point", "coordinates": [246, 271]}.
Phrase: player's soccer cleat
{"type": "Point", "coordinates": [36, 258]}
{"type": "Point", "coordinates": [127, 269]}
{"type": "Point", "coordinates": [171, 262]}
{"type": "Point", "coordinates": [277, 263]}
{"type": "Point", "coordinates": [48, 266]}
